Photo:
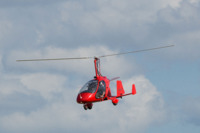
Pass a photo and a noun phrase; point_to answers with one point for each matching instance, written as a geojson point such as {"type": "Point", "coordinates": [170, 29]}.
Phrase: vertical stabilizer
{"type": "Point", "coordinates": [133, 89]}
{"type": "Point", "coordinates": [120, 89]}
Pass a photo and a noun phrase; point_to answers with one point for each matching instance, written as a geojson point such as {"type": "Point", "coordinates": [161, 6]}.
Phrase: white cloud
{"type": "Point", "coordinates": [113, 22]}
{"type": "Point", "coordinates": [132, 113]}
{"type": "Point", "coordinates": [10, 84]}
{"type": "Point", "coordinates": [179, 26]}
{"type": "Point", "coordinates": [174, 3]}
{"type": "Point", "coordinates": [61, 112]}
{"type": "Point", "coordinates": [22, 3]}
{"type": "Point", "coordinates": [5, 28]}
{"type": "Point", "coordinates": [46, 84]}
{"type": "Point", "coordinates": [120, 24]}
{"type": "Point", "coordinates": [110, 66]}
{"type": "Point", "coordinates": [187, 46]}
{"type": "Point", "coordinates": [65, 30]}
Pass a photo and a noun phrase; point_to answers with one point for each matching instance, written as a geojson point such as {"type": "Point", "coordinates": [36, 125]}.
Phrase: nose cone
{"type": "Point", "coordinates": [84, 98]}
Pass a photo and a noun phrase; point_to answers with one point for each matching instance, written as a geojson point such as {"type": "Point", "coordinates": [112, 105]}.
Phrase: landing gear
{"type": "Point", "coordinates": [115, 101]}
{"type": "Point", "coordinates": [114, 104]}
{"type": "Point", "coordinates": [88, 106]}
{"type": "Point", "coordinates": [85, 107]}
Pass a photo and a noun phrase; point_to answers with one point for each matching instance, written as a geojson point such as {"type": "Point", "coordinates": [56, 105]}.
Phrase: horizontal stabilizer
{"type": "Point", "coordinates": [114, 78]}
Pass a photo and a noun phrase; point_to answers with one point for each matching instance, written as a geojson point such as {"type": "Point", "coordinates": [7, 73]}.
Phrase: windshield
{"type": "Point", "coordinates": [90, 86]}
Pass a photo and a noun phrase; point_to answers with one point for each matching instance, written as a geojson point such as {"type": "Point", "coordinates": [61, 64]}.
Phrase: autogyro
{"type": "Point", "coordinates": [98, 89]}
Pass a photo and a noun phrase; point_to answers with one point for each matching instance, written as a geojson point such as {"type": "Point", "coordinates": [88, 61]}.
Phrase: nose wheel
{"type": "Point", "coordinates": [88, 106]}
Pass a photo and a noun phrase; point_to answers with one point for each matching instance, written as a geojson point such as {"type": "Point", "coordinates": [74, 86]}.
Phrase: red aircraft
{"type": "Point", "coordinates": [98, 89]}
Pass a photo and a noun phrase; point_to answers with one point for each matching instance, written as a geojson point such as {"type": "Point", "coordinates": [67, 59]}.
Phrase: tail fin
{"type": "Point", "coordinates": [121, 92]}
{"type": "Point", "coordinates": [120, 89]}
{"type": "Point", "coordinates": [133, 89]}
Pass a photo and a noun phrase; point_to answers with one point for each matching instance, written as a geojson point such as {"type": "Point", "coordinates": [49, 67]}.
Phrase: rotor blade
{"type": "Point", "coordinates": [78, 58]}
{"type": "Point", "coordinates": [137, 51]}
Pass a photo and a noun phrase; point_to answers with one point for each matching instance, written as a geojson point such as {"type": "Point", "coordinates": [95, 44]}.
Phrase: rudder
{"type": "Point", "coordinates": [133, 89]}
{"type": "Point", "coordinates": [120, 89]}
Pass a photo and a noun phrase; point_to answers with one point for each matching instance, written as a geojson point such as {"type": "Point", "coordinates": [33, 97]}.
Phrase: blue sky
{"type": "Point", "coordinates": [38, 97]}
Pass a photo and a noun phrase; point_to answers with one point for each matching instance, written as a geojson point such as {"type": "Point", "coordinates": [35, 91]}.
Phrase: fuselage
{"type": "Point", "coordinates": [95, 90]}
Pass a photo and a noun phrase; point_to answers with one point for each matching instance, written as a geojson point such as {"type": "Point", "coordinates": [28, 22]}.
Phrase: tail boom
{"type": "Point", "coordinates": [121, 92]}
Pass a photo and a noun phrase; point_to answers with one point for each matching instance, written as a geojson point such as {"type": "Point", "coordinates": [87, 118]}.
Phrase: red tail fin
{"type": "Point", "coordinates": [120, 89]}
{"type": "Point", "coordinates": [133, 89]}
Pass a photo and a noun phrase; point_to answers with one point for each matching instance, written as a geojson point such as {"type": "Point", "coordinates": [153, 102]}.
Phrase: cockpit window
{"type": "Point", "coordinates": [89, 87]}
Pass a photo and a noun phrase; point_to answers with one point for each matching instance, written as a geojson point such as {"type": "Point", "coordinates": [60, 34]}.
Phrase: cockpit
{"type": "Point", "coordinates": [91, 87]}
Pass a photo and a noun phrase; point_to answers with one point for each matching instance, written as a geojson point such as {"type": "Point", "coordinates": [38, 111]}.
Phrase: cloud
{"type": "Point", "coordinates": [5, 27]}
{"type": "Point", "coordinates": [14, 96]}
{"type": "Point", "coordinates": [73, 23]}
{"type": "Point", "coordinates": [41, 96]}
{"type": "Point", "coordinates": [112, 22]}
{"type": "Point", "coordinates": [132, 113]}
{"type": "Point", "coordinates": [179, 26]}
{"type": "Point", "coordinates": [110, 66]}
{"type": "Point", "coordinates": [22, 3]}
{"type": "Point", "coordinates": [56, 108]}
{"type": "Point", "coordinates": [116, 24]}
{"type": "Point", "coordinates": [47, 85]}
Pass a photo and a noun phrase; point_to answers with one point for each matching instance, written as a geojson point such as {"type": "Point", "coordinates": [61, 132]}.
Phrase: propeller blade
{"type": "Point", "coordinates": [114, 78]}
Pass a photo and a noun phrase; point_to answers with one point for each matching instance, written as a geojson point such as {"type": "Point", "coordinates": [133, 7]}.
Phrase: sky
{"type": "Point", "coordinates": [40, 97]}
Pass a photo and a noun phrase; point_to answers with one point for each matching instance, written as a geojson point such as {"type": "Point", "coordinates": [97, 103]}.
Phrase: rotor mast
{"type": "Point", "coordinates": [97, 67]}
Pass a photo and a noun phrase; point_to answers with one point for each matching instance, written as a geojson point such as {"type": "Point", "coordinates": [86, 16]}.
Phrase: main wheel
{"type": "Point", "coordinates": [115, 101]}
{"type": "Point", "coordinates": [90, 106]}
{"type": "Point", "coordinates": [114, 104]}
{"type": "Point", "coordinates": [85, 106]}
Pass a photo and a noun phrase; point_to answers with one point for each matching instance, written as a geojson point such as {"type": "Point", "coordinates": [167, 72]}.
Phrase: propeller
{"type": "Point", "coordinates": [102, 56]}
